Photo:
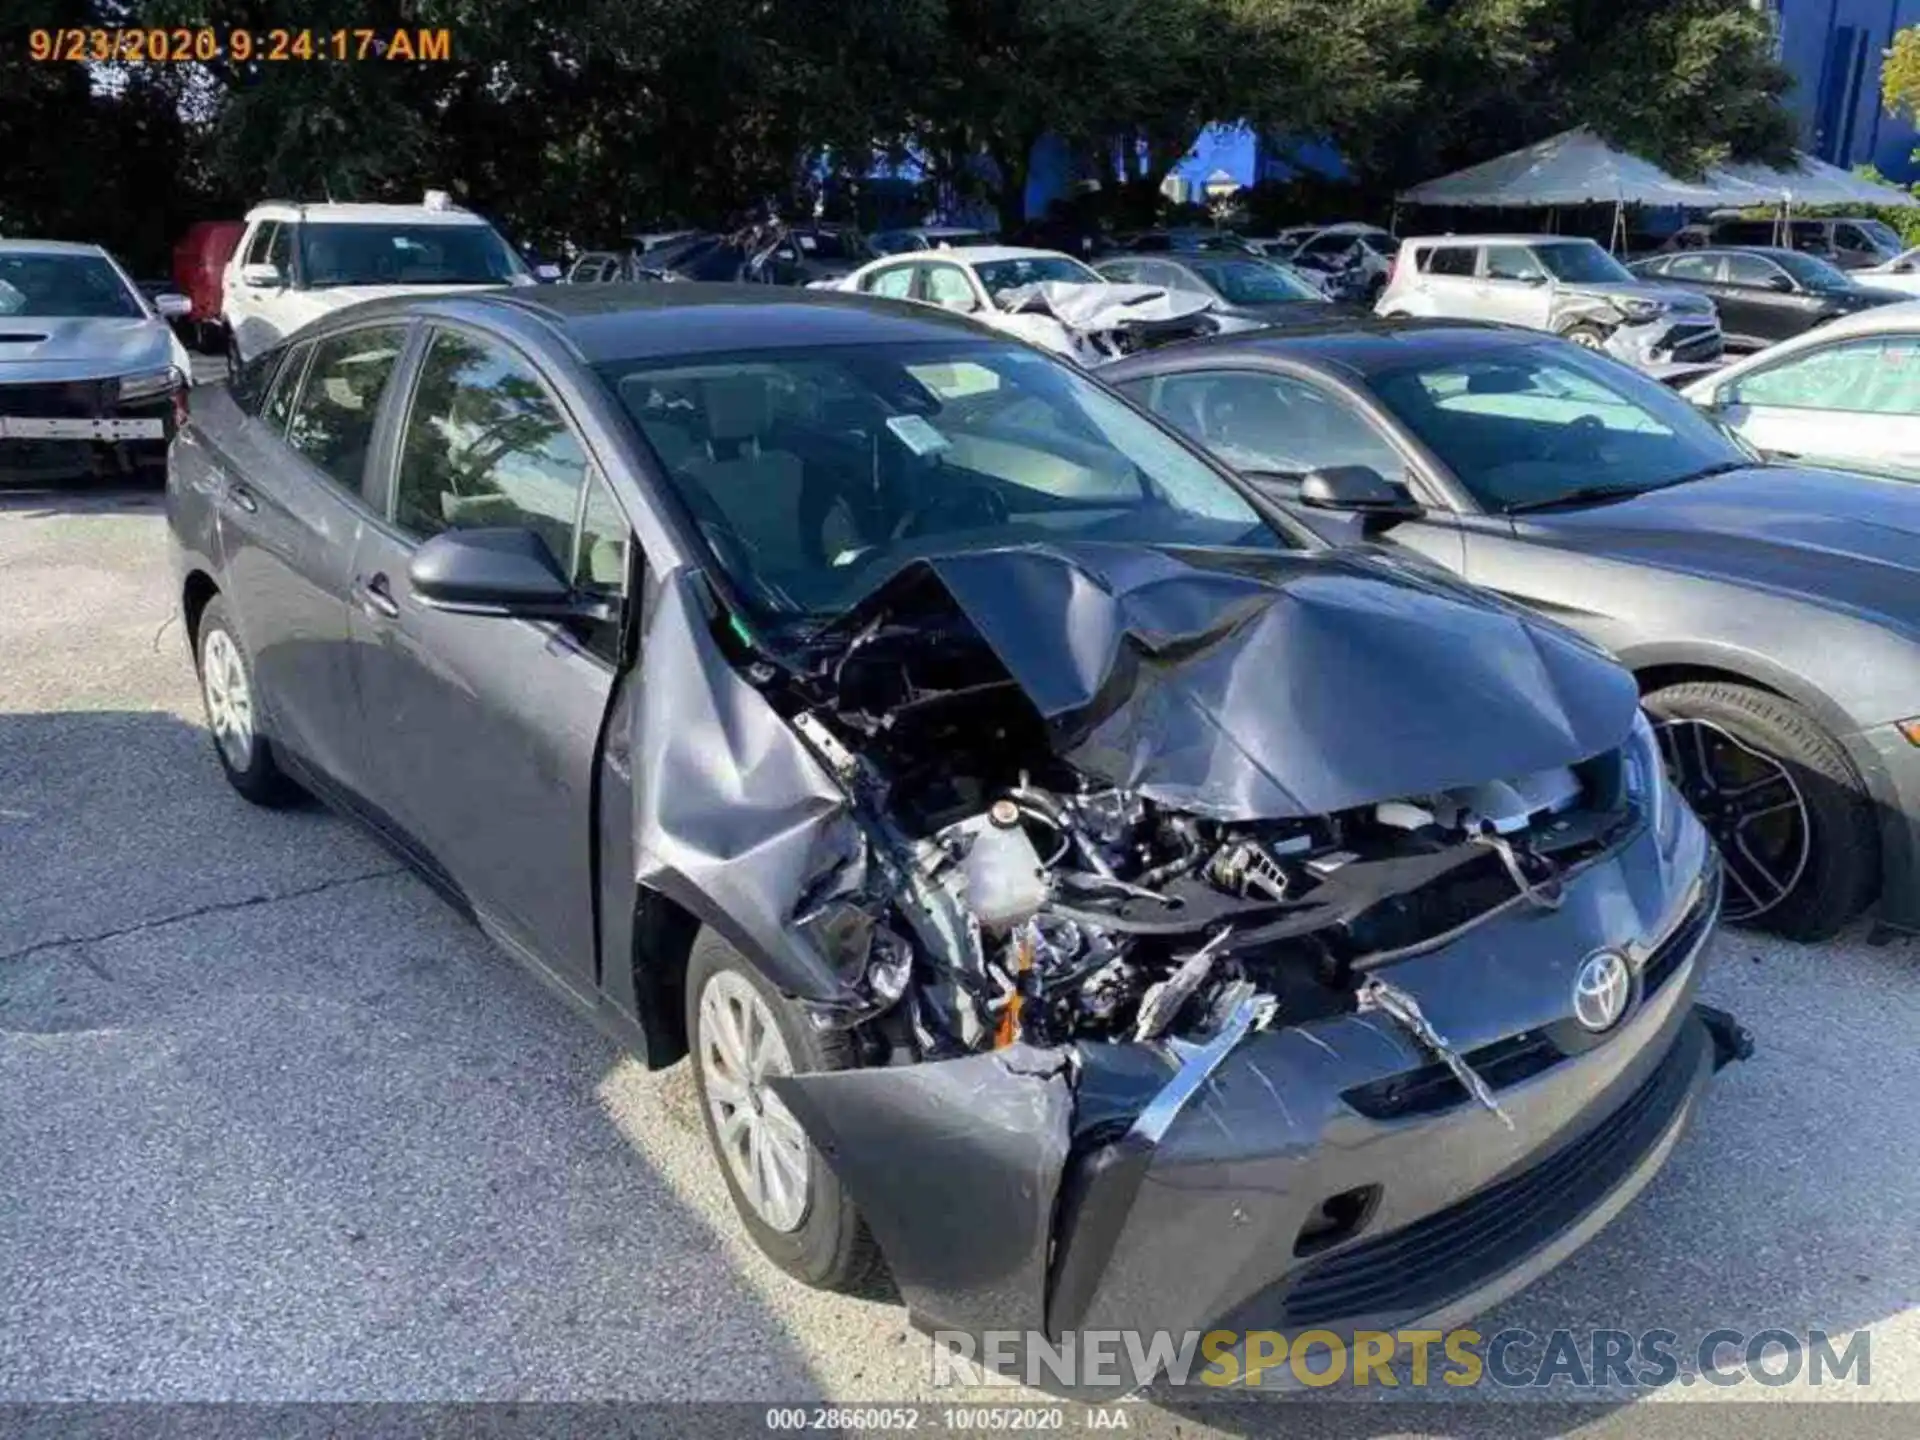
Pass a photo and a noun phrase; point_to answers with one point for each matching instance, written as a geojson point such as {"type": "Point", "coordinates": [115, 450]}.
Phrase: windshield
{"type": "Point", "coordinates": [1380, 243]}
{"type": "Point", "coordinates": [1526, 425]}
{"type": "Point", "coordinates": [815, 474]}
{"type": "Point", "coordinates": [1581, 263]}
{"type": "Point", "coordinates": [335, 254]}
{"type": "Point", "coordinates": [1252, 282]}
{"type": "Point", "coordinates": [34, 284]}
{"type": "Point", "coordinates": [1882, 235]}
{"type": "Point", "coordinates": [1811, 271]}
{"type": "Point", "coordinates": [1000, 276]}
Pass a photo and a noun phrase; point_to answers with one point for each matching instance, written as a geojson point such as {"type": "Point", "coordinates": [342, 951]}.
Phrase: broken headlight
{"type": "Point", "coordinates": [1646, 774]}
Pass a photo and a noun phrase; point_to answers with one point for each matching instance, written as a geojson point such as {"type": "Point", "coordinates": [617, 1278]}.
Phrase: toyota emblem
{"type": "Point", "coordinates": [1601, 991]}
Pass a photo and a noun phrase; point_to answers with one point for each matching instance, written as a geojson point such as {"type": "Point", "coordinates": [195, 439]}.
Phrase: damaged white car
{"type": "Point", "coordinates": [1045, 298]}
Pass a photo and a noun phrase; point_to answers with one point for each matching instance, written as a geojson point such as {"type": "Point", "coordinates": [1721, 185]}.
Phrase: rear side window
{"type": "Point", "coordinates": [332, 422]}
{"type": "Point", "coordinates": [1693, 267]}
{"type": "Point", "coordinates": [1448, 260]}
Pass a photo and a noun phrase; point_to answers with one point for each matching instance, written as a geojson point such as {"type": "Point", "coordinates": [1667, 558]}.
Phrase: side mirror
{"type": "Point", "coordinates": [499, 572]}
{"type": "Point", "coordinates": [1534, 279]}
{"type": "Point", "coordinates": [1780, 283]}
{"type": "Point", "coordinates": [173, 307]}
{"type": "Point", "coordinates": [1363, 491]}
{"type": "Point", "coordinates": [546, 274]}
{"type": "Point", "coordinates": [261, 276]}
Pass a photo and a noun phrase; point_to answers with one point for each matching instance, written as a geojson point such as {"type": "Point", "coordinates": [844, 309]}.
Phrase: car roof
{"type": "Point", "coordinates": [1770, 252]}
{"type": "Point", "coordinates": [355, 214]}
{"type": "Point", "coordinates": [1359, 346]}
{"type": "Point", "coordinates": [653, 320]}
{"type": "Point", "coordinates": [50, 247]}
{"type": "Point", "coordinates": [1497, 239]}
{"type": "Point", "coordinates": [987, 254]}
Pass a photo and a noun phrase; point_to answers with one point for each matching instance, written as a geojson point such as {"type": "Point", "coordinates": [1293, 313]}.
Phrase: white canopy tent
{"type": "Point", "coordinates": [1575, 167]}
{"type": "Point", "coordinates": [1807, 182]}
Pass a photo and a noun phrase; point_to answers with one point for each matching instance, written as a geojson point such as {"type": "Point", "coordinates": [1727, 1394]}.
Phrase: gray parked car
{"type": "Point", "coordinates": [1772, 614]}
{"type": "Point", "coordinates": [1565, 285]}
{"type": "Point", "coordinates": [1052, 860]}
{"type": "Point", "coordinates": [91, 376]}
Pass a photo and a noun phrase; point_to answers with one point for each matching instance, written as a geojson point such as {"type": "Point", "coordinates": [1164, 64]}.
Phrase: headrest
{"type": "Point", "coordinates": [739, 407]}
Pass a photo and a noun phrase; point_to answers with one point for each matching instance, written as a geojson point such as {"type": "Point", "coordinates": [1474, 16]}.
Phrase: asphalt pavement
{"type": "Point", "coordinates": [277, 1124]}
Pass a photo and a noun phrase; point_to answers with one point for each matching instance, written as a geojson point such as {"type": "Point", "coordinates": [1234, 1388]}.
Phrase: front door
{"type": "Point", "coordinates": [1514, 288]}
{"type": "Point", "coordinates": [485, 729]}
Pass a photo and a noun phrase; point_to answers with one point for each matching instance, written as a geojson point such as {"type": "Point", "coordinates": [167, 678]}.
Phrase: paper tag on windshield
{"type": "Point", "coordinates": [916, 432]}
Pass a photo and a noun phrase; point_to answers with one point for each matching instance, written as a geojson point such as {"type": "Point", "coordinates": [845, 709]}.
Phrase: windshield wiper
{"type": "Point", "coordinates": [1600, 494]}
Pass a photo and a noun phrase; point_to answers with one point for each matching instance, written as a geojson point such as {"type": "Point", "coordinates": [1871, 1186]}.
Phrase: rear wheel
{"type": "Point", "coordinates": [742, 1033]}
{"type": "Point", "coordinates": [226, 687]}
{"type": "Point", "coordinates": [1793, 823]}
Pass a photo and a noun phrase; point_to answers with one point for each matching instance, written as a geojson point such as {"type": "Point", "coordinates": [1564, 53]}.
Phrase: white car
{"type": "Point", "coordinates": [1900, 273]}
{"type": "Point", "coordinates": [1041, 296]}
{"type": "Point", "coordinates": [296, 262]}
{"type": "Point", "coordinates": [1846, 394]}
{"type": "Point", "coordinates": [92, 379]}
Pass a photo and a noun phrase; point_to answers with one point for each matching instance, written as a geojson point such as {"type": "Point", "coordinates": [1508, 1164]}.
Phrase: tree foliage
{"type": "Point", "coordinates": [586, 120]}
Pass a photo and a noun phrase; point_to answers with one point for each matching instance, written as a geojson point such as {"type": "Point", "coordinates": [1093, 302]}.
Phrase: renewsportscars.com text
{"type": "Point", "coordinates": [1384, 1359]}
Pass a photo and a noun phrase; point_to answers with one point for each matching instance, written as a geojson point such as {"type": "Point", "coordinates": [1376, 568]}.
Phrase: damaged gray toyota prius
{"type": "Point", "coordinates": [1077, 886]}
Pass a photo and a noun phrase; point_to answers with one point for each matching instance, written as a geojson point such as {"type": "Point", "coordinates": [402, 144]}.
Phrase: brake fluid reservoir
{"type": "Point", "coordinates": [1005, 882]}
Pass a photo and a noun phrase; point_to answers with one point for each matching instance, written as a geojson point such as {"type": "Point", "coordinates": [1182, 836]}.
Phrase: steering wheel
{"type": "Point", "coordinates": [965, 507]}
{"type": "Point", "coordinates": [1581, 439]}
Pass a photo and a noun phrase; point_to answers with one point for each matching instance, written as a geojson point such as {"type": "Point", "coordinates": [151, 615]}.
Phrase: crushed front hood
{"type": "Point", "coordinates": [1094, 307]}
{"type": "Point", "coordinates": [1246, 686]}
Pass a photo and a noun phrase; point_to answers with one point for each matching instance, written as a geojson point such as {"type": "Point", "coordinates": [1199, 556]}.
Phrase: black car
{"type": "Point", "coordinates": [1771, 613]}
{"type": "Point", "coordinates": [1239, 285]}
{"type": "Point", "coordinates": [1054, 860]}
{"type": "Point", "coordinates": [1765, 294]}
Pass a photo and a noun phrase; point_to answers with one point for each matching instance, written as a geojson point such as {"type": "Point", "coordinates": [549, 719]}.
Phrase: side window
{"type": "Point", "coordinates": [1704, 268]}
{"type": "Point", "coordinates": [948, 285]}
{"type": "Point", "coordinates": [1123, 272]}
{"type": "Point", "coordinates": [1274, 423]}
{"type": "Point", "coordinates": [286, 384]}
{"type": "Point", "coordinates": [280, 250]}
{"type": "Point", "coordinates": [257, 243]}
{"type": "Point", "coordinates": [1754, 271]}
{"type": "Point", "coordinates": [1864, 377]}
{"type": "Point", "coordinates": [600, 563]}
{"type": "Point", "coordinates": [1512, 262]}
{"type": "Point", "coordinates": [895, 283]}
{"type": "Point", "coordinates": [249, 384]}
{"type": "Point", "coordinates": [332, 421]}
{"type": "Point", "coordinates": [484, 445]}
{"type": "Point", "coordinates": [1449, 260]}
{"type": "Point", "coordinates": [1851, 237]}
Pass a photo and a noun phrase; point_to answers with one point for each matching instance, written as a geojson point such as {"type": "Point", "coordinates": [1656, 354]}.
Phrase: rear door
{"type": "Point", "coordinates": [488, 727]}
{"type": "Point", "coordinates": [291, 503]}
{"type": "Point", "coordinates": [1446, 285]}
{"type": "Point", "coordinates": [1852, 402]}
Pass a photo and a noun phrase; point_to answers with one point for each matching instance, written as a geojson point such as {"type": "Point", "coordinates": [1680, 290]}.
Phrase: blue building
{"type": "Point", "coordinates": [1834, 48]}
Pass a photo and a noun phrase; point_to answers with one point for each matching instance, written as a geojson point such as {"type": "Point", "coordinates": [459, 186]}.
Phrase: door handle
{"type": "Point", "coordinates": [375, 597]}
{"type": "Point", "coordinates": [242, 496]}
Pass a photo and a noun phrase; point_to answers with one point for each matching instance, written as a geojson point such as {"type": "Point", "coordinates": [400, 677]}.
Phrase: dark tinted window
{"type": "Point", "coordinates": [280, 249]}
{"type": "Point", "coordinates": [1744, 232]}
{"type": "Point", "coordinates": [285, 385]}
{"type": "Point", "coordinates": [332, 422]}
{"type": "Point", "coordinates": [1692, 267]}
{"type": "Point", "coordinates": [1752, 270]}
{"type": "Point", "coordinates": [1449, 260]}
{"type": "Point", "coordinates": [484, 445]}
{"type": "Point", "coordinates": [250, 383]}
{"type": "Point", "coordinates": [346, 254]}
{"type": "Point", "coordinates": [1252, 282]}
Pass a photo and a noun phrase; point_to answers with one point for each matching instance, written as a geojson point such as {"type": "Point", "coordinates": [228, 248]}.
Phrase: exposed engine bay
{"type": "Point", "coordinates": [1009, 894]}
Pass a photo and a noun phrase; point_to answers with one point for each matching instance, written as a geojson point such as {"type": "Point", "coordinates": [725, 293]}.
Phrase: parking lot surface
{"type": "Point", "coordinates": [277, 1124]}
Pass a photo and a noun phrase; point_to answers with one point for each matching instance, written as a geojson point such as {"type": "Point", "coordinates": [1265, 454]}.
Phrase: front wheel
{"type": "Point", "coordinates": [1794, 824]}
{"type": "Point", "coordinates": [742, 1033]}
{"type": "Point", "coordinates": [1587, 337]}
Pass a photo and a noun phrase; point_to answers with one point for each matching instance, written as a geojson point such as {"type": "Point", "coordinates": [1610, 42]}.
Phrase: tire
{"type": "Point", "coordinates": [249, 762]}
{"type": "Point", "coordinates": [829, 1247]}
{"type": "Point", "coordinates": [1839, 867]}
{"type": "Point", "coordinates": [1587, 337]}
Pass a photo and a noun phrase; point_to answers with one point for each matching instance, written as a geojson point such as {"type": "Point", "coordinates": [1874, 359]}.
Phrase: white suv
{"type": "Point", "coordinates": [297, 262]}
{"type": "Point", "coordinates": [1568, 286]}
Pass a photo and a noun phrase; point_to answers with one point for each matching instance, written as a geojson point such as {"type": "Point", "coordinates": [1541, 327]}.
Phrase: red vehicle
{"type": "Point", "coordinates": [199, 259]}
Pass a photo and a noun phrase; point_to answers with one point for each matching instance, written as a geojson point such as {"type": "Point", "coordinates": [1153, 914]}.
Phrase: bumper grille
{"type": "Point", "coordinates": [1686, 935]}
{"type": "Point", "coordinates": [1433, 1088]}
{"type": "Point", "coordinates": [1422, 1265]}
{"type": "Point", "coordinates": [1699, 342]}
{"type": "Point", "coordinates": [67, 400]}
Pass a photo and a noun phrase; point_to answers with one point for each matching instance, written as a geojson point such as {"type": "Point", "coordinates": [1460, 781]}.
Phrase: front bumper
{"type": "Point", "coordinates": [57, 429]}
{"type": "Point", "coordinates": [1330, 1175]}
{"type": "Point", "coordinates": [1890, 764]}
{"type": "Point", "coordinates": [1669, 341]}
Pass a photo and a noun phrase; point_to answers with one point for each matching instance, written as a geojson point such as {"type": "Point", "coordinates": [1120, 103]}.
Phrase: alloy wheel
{"type": "Point", "coordinates": [1586, 340]}
{"type": "Point", "coordinates": [229, 697]}
{"type": "Point", "coordinates": [1751, 806]}
{"type": "Point", "coordinates": [740, 1048]}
